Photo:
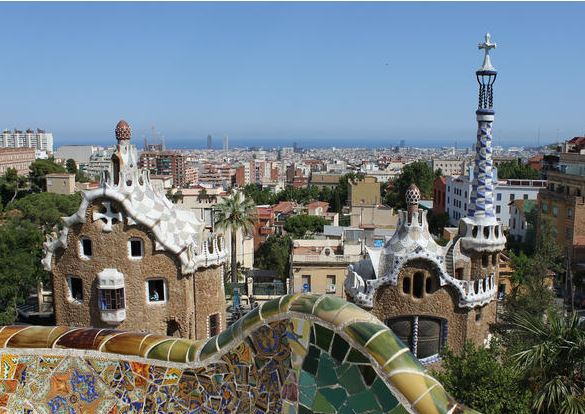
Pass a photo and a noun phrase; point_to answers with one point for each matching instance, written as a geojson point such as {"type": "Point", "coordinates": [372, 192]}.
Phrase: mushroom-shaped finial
{"type": "Point", "coordinates": [412, 195]}
{"type": "Point", "coordinates": [123, 131]}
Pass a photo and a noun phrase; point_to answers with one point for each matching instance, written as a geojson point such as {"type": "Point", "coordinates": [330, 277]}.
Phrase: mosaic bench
{"type": "Point", "coordinates": [297, 354]}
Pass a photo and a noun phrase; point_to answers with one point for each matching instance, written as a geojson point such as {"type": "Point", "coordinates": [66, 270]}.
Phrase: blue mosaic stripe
{"type": "Point", "coordinates": [482, 200]}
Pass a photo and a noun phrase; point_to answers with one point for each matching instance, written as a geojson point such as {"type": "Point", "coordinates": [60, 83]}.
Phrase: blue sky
{"type": "Point", "coordinates": [274, 73]}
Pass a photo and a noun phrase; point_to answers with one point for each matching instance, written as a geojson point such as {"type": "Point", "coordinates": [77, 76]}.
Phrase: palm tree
{"type": "Point", "coordinates": [234, 213]}
{"type": "Point", "coordinates": [553, 360]}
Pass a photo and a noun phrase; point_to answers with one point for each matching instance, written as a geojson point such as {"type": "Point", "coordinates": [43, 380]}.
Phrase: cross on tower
{"type": "Point", "coordinates": [487, 45]}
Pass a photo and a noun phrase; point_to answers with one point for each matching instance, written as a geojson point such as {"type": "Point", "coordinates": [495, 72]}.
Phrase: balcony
{"type": "Point", "coordinates": [320, 258]}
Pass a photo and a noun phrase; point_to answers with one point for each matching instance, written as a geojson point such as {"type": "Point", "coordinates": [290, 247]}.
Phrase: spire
{"type": "Point", "coordinates": [481, 203]}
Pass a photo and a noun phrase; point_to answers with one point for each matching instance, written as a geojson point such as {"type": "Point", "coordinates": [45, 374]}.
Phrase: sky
{"type": "Point", "coordinates": [327, 74]}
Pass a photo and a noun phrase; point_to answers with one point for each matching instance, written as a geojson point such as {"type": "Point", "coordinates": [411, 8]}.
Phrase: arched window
{"type": "Point", "coordinates": [484, 260]}
{"type": "Point", "coordinates": [418, 285]}
{"type": "Point", "coordinates": [406, 285]}
{"type": "Point", "coordinates": [429, 285]}
{"type": "Point", "coordinates": [425, 336]}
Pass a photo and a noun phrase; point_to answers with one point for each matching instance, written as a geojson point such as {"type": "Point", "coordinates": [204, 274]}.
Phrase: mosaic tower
{"type": "Point", "coordinates": [480, 227]}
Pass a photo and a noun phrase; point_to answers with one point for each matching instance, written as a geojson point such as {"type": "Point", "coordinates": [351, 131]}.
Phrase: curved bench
{"type": "Point", "coordinates": [296, 354]}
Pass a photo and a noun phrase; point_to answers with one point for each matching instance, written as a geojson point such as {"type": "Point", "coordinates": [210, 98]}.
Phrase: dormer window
{"type": "Point", "coordinates": [111, 296]}
{"type": "Point", "coordinates": [135, 248]}
{"type": "Point", "coordinates": [86, 249]}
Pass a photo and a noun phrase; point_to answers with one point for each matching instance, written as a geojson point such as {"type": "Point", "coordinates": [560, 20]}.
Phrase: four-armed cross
{"type": "Point", "coordinates": [486, 46]}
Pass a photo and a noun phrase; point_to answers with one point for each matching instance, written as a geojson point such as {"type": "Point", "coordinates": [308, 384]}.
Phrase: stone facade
{"type": "Point", "coordinates": [130, 259]}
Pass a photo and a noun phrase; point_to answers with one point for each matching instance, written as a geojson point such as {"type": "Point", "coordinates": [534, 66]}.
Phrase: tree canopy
{"type": "Point", "coordinates": [274, 254]}
{"type": "Point", "coordinates": [46, 209]}
{"type": "Point", "coordinates": [419, 173]}
{"type": "Point", "coordinates": [20, 265]}
{"type": "Point", "coordinates": [71, 166]}
{"type": "Point", "coordinates": [301, 225]}
{"type": "Point", "coordinates": [515, 169]}
{"type": "Point", "coordinates": [38, 170]}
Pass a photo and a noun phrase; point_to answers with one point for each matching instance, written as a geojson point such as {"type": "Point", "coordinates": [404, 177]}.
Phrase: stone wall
{"type": "Point", "coordinates": [391, 302]}
{"type": "Point", "coordinates": [177, 315]}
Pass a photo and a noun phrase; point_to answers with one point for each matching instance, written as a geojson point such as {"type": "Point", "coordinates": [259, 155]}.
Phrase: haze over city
{"type": "Point", "coordinates": [319, 74]}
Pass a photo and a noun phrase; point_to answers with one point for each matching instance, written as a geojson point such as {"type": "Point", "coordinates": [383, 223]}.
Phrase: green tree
{"type": "Point", "coordinates": [71, 166]}
{"type": "Point", "coordinates": [437, 222]}
{"type": "Point", "coordinates": [274, 254]}
{"type": "Point", "coordinates": [46, 209]}
{"type": "Point", "coordinates": [258, 195]}
{"type": "Point", "coordinates": [20, 265]}
{"type": "Point", "coordinates": [38, 170]}
{"type": "Point", "coordinates": [174, 196]}
{"type": "Point", "coordinates": [419, 173]}
{"type": "Point", "coordinates": [553, 361]}
{"type": "Point", "coordinates": [298, 226]}
{"type": "Point", "coordinates": [11, 185]}
{"type": "Point", "coordinates": [477, 378]}
{"type": "Point", "coordinates": [234, 213]}
{"type": "Point", "coordinates": [515, 169]}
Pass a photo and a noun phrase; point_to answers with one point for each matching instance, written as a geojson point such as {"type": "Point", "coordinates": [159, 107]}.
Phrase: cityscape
{"type": "Point", "coordinates": [285, 266]}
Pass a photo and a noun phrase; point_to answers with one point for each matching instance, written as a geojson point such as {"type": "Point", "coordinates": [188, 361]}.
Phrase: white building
{"type": "Point", "coordinates": [458, 195]}
{"type": "Point", "coordinates": [79, 153]}
{"type": "Point", "coordinates": [100, 162]}
{"type": "Point", "coordinates": [38, 139]}
{"type": "Point", "coordinates": [449, 166]}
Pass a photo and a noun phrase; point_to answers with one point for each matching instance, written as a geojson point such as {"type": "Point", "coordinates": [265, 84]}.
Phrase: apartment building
{"type": "Point", "coordinates": [450, 166]}
{"type": "Point", "coordinates": [18, 158]}
{"type": "Point", "coordinates": [319, 266]}
{"type": "Point", "coordinates": [458, 195]}
{"type": "Point", "coordinates": [168, 163]}
{"type": "Point", "coordinates": [37, 139]}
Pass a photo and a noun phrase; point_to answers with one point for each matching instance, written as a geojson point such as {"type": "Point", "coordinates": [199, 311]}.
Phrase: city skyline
{"type": "Point", "coordinates": [328, 74]}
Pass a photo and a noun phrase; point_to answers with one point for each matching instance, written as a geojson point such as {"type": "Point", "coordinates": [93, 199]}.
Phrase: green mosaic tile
{"type": "Point", "coordinates": [180, 351]}
{"type": "Point", "coordinates": [356, 356]}
{"type": "Point", "coordinates": [339, 348]}
{"type": "Point", "coordinates": [270, 308]}
{"type": "Point", "coordinates": [250, 319]}
{"type": "Point", "coordinates": [208, 349]}
{"type": "Point", "coordinates": [321, 405]}
{"type": "Point", "coordinates": [326, 373]}
{"type": "Point", "coordinates": [363, 402]}
{"type": "Point", "coordinates": [384, 395]}
{"type": "Point", "coordinates": [161, 351]}
{"type": "Point", "coordinates": [399, 410]}
{"type": "Point", "coordinates": [335, 396]}
{"type": "Point", "coordinates": [352, 380]}
{"type": "Point", "coordinates": [304, 410]}
{"type": "Point", "coordinates": [285, 302]}
{"type": "Point", "coordinates": [304, 304]}
{"type": "Point", "coordinates": [307, 389]}
{"type": "Point", "coordinates": [328, 307]}
{"type": "Point", "coordinates": [226, 337]}
{"type": "Point", "coordinates": [384, 346]}
{"type": "Point", "coordinates": [362, 331]}
{"type": "Point", "coordinates": [368, 374]}
{"type": "Point", "coordinates": [311, 362]}
{"type": "Point", "coordinates": [323, 337]}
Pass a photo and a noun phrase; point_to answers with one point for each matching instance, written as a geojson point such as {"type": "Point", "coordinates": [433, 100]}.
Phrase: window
{"type": "Point", "coordinates": [86, 248]}
{"type": "Point", "coordinates": [214, 324]}
{"type": "Point", "coordinates": [425, 336]}
{"type": "Point", "coordinates": [306, 283]}
{"type": "Point", "coordinates": [135, 248]}
{"type": "Point", "coordinates": [499, 197]}
{"type": "Point", "coordinates": [111, 299]}
{"type": "Point", "coordinates": [570, 212]}
{"type": "Point", "coordinates": [330, 288]}
{"type": "Point", "coordinates": [406, 285]}
{"type": "Point", "coordinates": [494, 259]}
{"type": "Point", "coordinates": [75, 289]}
{"type": "Point", "coordinates": [484, 260]}
{"type": "Point", "coordinates": [555, 210]}
{"type": "Point", "coordinates": [459, 273]}
{"type": "Point", "coordinates": [525, 196]}
{"type": "Point", "coordinates": [418, 285]}
{"type": "Point", "coordinates": [544, 207]}
{"type": "Point", "coordinates": [511, 197]}
{"type": "Point", "coordinates": [156, 290]}
{"type": "Point", "coordinates": [498, 209]}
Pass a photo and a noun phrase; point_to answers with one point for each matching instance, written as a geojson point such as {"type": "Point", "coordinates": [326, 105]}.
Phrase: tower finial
{"type": "Point", "coordinates": [487, 45]}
